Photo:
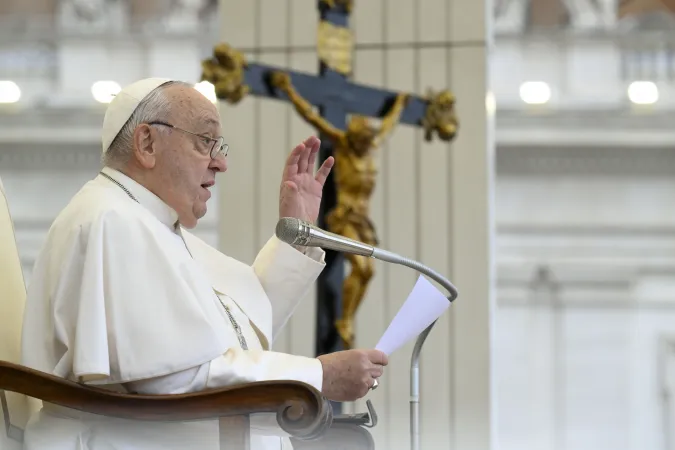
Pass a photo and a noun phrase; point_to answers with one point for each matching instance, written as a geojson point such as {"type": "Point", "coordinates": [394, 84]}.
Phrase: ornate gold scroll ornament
{"type": "Point", "coordinates": [225, 70]}
{"type": "Point", "coordinates": [334, 47]}
{"type": "Point", "coordinates": [348, 4]}
{"type": "Point", "coordinates": [440, 117]}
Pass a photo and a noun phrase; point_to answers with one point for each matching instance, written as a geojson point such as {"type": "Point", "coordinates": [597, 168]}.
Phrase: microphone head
{"type": "Point", "coordinates": [289, 229]}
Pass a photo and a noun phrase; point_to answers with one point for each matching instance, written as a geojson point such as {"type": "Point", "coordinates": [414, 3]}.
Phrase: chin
{"type": "Point", "coordinates": [189, 223]}
{"type": "Point", "coordinates": [199, 212]}
{"type": "Point", "coordinates": [188, 220]}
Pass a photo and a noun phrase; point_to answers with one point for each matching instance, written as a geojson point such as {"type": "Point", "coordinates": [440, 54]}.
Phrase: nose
{"type": "Point", "coordinates": [219, 164]}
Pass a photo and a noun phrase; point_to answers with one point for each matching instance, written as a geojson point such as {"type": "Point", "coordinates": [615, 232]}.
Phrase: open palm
{"type": "Point", "coordinates": [301, 190]}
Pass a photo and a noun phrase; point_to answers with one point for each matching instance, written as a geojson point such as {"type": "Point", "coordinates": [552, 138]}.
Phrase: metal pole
{"type": "Point", "coordinates": [414, 362]}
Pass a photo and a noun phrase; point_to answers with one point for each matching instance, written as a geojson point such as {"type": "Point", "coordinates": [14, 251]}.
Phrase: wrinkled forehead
{"type": "Point", "coordinates": [193, 108]}
{"type": "Point", "coordinates": [209, 121]}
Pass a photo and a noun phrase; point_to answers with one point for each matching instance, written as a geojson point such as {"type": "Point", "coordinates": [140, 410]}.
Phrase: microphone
{"type": "Point", "coordinates": [297, 232]}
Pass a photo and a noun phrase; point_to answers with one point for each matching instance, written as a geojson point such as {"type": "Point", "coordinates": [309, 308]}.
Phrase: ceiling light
{"type": "Point", "coordinates": [535, 92]}
{"type": "Point", "coordinates": [208, 90]}
{"type": "Point", "coordinates": [643, 92]}
{"type": "Point", "coordinates": [105, 91]}
{"type": "Point", "coordinates": [9, 92]}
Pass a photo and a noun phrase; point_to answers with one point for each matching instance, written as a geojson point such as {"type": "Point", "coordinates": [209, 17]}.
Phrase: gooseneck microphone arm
{"type": "Point", "coordinates": [296, 232]}
{"type": "Point", "coordinates": [415, 359]}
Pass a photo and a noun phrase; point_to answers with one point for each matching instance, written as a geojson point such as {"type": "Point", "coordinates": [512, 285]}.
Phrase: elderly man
{"type": "Point", "coordinates": [123, 297]}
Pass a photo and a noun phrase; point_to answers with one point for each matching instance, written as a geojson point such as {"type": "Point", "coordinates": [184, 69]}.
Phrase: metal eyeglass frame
{"type": "Point", "coordinates": [223, 148]}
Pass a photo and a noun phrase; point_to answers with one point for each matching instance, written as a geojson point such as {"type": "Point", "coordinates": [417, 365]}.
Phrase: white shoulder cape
{"type": "Point", "coordinates": [121, 295]}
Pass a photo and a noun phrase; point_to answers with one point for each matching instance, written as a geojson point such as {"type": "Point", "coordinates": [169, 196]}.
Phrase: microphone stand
{"type": "Point", "coordinates": [297, 232]}
{"type": "Point", "coordinates": [414, 362]}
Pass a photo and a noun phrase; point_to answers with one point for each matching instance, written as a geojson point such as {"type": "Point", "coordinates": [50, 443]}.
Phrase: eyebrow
{"type": "Point", "coordinates": [206, 122]}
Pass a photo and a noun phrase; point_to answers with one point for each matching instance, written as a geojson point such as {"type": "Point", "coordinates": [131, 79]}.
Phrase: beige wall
{"type": "Point", "coordinates": [144, 9]}
{"type": "Point", "coordinates": [432, 201]}
{"type": "Point", "coordinates": [46, 7]}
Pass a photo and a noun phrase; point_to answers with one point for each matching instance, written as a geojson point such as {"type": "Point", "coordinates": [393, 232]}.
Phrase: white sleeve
{"type": "Point", "coordinates": [246, 366]}
{"type": "Point", "coordinates": [286, 275]}
{"type": "Point", "coordinates": [189, 380]}
{"type": "Point", "coordinates": [236, 366]}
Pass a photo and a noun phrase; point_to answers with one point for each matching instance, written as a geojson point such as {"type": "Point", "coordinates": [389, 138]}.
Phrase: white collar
{"type": "Point", "coordinates": [157, 207]}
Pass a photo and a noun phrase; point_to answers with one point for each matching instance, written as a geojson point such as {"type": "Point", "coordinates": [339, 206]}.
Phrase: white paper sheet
{"type": "Point", "coordinates": [424, 304]}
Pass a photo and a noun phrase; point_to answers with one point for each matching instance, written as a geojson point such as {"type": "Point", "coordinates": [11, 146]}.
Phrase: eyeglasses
{"type": "Point", "coordinates": [214, 146]}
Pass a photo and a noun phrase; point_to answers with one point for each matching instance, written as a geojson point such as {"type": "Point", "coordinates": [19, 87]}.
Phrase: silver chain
{"type": "Point", "coordinates": [235, 325]}
{"type": "Point", "coordinates": [120, 185]}
{"type": "Point", "coordinates": [237, 328]}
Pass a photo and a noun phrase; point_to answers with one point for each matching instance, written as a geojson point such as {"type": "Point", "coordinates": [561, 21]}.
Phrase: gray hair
{"type": "Point", "coordinates": [155, 106]}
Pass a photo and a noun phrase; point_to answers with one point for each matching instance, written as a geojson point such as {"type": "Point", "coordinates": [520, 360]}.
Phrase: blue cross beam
{"type": "Point", "coordinates": [336, 97]}
{"type": "Point", "coordinates": [331, 91]}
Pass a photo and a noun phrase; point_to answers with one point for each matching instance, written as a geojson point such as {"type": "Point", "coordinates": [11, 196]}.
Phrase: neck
{"type": "Point", "coordinates": [135, 174]}
{"type": "Point", "coordinates": [139, 189]}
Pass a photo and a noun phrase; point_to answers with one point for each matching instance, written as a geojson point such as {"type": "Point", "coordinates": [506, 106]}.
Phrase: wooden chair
{"type": "Point", "coordinates": [301, 410]}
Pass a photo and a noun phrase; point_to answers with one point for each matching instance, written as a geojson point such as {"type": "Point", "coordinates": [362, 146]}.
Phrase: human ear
{"type": "Point", "coordinates": [144, 148]}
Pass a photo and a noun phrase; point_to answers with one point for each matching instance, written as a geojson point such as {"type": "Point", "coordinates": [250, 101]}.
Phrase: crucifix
{"type": "Point", "coordinates": [350, 140]}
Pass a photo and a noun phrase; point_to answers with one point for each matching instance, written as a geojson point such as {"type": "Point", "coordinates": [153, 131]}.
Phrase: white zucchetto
{"type": "Point", "coordinates": [123, 106]}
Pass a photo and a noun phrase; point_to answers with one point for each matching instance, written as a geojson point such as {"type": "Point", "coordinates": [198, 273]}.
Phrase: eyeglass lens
{"type": "Point", "coordinates": [219, 147]}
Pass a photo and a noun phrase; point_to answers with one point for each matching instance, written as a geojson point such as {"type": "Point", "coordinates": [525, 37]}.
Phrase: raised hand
{"type": "Point", "coordinates": [301, 190]}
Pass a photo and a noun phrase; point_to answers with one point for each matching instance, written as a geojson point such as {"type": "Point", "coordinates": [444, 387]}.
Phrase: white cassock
{"type": "Point", "coordinates": [117, 300]}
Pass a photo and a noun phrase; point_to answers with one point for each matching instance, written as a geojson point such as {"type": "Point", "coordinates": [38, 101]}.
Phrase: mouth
{"type": "Point", "coordinates": [208, 184]}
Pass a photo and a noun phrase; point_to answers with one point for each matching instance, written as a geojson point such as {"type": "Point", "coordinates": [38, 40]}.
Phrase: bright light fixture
{"type": "Point", "coordinates": [105, 91]}
{"type": "Point", "coordinates": [535, 92]}
{"type": "Point", "coordinates": [208, 90]}
{"type": "Point", "coordinates": [9, 92]}
{"type": "Point", "coordinates": [490, 103]}
{"type": "Point", "coordinates": [643, 92]}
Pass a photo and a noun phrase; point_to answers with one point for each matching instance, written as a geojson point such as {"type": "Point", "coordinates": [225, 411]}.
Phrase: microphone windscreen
{"type": "Point", "coordinates": [287, 229]}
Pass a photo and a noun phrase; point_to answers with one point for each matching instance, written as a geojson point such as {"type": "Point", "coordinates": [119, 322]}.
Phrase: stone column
{"type": "Point", "coordinates": [471, 228]}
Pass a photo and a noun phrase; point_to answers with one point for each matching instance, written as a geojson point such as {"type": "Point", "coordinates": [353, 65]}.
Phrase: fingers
{"type": "Point", "coordinates": [308, 156]}
{"type": "Point", "coordinates": [324, 170]}
{"type": "Point", "coordinates": [312, 155]}
{"type": "Point", "coordinates": [303, 161]}
{"type": "Point", "coordinates": [312, 141]}
{"type": "Point", "coordinates": [377, 361]}
{"type": "Point", "coordinates": [293, 159]}
{"type": "Point", "coordinates": [303, 158]}
{"type": "Point", "coordinates": [378, 357]}
{"type": "Point", "coordinates": [366, 383]}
